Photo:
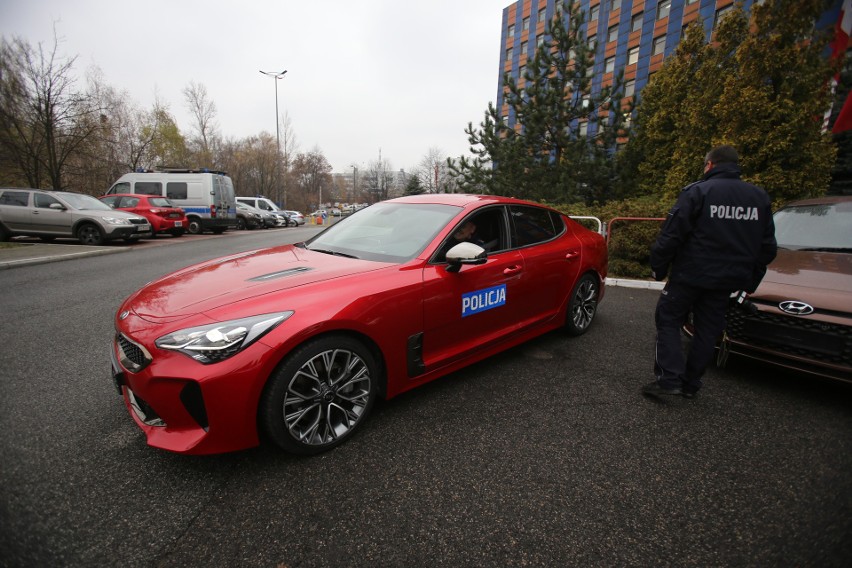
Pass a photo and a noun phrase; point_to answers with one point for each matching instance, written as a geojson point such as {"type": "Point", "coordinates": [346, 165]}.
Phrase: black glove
{"type": "Point", "coordinates": [659, 274]}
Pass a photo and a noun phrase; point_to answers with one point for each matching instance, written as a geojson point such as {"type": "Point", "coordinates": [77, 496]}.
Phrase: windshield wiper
{"type": "Point", "coordinates": [333, 253]}
{"type": "Point", "coordinates": [827, 249]}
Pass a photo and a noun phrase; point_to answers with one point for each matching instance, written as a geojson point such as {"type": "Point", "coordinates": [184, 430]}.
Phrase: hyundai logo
{"type": "Point", "coordinates": [796, 308]}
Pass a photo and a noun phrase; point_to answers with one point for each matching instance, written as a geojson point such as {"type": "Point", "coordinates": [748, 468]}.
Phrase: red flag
{"type": "Point", "coordinates": [842, 31]}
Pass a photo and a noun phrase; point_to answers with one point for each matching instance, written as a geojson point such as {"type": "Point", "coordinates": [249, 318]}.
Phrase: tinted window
{"type": "Point", "coordinates": [160, 202]}
{"type": "Point", "coordinates": [149, 188]}
{"type": "Point", "coordinates": [111, 201]}
{"type": "Point", "coordinates": [532, 225]}
{"type": "Point", "coordinates": [129, 202]}
{"type": "Point", "coordinates": [486, 228]}
{"type": "Point", "coordinates": [176, 190]}
{"type": "Point", "coordinates": [20, 198]}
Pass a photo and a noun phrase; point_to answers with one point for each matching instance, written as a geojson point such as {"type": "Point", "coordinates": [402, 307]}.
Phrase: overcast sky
{"type": "Point", "coordinates": [362, 75]}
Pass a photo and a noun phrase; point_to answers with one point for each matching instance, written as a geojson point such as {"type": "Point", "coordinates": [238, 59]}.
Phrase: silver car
{"type": "Point", "coordinates": [52, 214]}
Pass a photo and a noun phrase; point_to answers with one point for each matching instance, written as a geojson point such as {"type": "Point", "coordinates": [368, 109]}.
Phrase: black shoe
{"type": "Point", "coordinates": [689, 395]}
{"type": "Point", "coordinates": [654, 389]}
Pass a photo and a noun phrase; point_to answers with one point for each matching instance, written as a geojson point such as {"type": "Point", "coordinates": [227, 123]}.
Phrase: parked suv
{"type": "Point", "coordinates": [52, 214]}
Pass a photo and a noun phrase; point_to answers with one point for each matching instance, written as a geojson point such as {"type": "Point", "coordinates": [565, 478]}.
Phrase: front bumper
{"type": "Point", "coordinates": [186, 407]}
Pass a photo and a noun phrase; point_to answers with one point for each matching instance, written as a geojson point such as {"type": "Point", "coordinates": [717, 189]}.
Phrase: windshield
{"type": "Point", "coordinates": [87, 202]}
{"type": "Point", "coordinates": [821, 227]}
{"type": "Point", "coordinates": [385, 232]}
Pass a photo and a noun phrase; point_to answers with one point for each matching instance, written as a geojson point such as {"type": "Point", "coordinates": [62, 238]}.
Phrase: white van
{"type": "Point", "coordinates": [267, 205]}
{"type": "Point", "coordinates": [206, 197]}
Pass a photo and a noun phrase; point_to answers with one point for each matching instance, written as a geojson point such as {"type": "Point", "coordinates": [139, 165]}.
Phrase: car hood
{"type": "Point", "coordinates": [227, 280]}
{"type": "Point", "coordinates": [821, 279]}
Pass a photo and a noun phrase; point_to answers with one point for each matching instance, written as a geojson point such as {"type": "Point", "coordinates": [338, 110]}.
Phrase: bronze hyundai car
{"type": "Point", "coordinates": [800, 317]}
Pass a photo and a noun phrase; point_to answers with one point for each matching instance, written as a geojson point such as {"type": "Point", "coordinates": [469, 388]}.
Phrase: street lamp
{"type": "Point", "coordinates": [277, 138]}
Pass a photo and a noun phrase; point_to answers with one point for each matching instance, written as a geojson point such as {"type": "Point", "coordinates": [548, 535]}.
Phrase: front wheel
{"type": "Point", "coordinates": [89, 234]}
{"type": "Point", "coordinates": [194, 226]}
{"type": "Point", "coordinates": [582, 306]}
{"type": "Point", "coordinates": [320, 395]}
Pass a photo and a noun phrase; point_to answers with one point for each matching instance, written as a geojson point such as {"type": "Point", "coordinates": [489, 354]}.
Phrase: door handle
{"type": "Point", "coordinates": [572, 255]}
{"type": "Point", "coordinates": [508, 271]}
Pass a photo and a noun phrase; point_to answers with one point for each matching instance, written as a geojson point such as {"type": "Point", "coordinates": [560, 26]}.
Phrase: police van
{"type": "Point", "coordinates": [206, 196]}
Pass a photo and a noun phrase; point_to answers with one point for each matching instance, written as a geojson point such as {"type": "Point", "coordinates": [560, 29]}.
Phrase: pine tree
{"type": "Point", "coordinates": [545, 156]}
{"type": "Point", "coordinates": [761, 85]}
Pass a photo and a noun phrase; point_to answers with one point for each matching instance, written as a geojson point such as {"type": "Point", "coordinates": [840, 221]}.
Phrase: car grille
{"type": "Point", "coordinates": [138, 221]}
{"type": "Point", "coordinates": [132, 355]}
{"type": "Point", "coordinates": [800, 336]}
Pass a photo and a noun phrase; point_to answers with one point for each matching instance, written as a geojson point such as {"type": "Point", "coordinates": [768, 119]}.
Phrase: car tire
{"type": "Point", "coordinates": [320, 395]}
{"type": "Point", "coordinates": [193, 226]}
{"type": "Point", "coordinates": [241, 224]}
{"type": "Point", "coordinates": [90, 234]}
{"type": "Point", "coordinates": [5, 235]}
{"type": "Point", "coordinates": [582, 305]}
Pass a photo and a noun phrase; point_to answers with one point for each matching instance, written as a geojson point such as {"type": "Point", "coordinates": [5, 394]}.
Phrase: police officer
{"type": "Point", "coordinates": [717, 239]}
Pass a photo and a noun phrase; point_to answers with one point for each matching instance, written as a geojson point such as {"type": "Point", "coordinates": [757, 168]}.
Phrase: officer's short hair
{"type": "Point", "coordinates": [722, 154]}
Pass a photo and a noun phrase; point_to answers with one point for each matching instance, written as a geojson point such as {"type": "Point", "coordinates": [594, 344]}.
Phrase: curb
{"type": "Point", "coordinates": [644, 284]}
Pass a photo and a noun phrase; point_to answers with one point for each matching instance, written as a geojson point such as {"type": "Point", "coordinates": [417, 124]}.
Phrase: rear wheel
{"type": "Point", "coordinates": [90, 234]}
{"type": "Point", "coordinates": [241, 224]}
{"type": "Point", "coordinates": [582, 306]}
{"type": "Point", "coordinates": [5, 235]}
{"type": "Point", "coordinates": [320, 395]}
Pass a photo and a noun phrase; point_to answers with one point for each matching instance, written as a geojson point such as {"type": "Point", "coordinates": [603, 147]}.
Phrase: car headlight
{"type": "Point", "coordinates": [116, 220]}
{"type": "Point", "coordinates": [219, 341]}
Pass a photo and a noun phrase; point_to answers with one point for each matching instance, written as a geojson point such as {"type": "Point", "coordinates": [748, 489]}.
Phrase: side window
{"type": "Point", "coordinates": [17, 198]}
{"type": "Point", "coordinates": [486, 228]}
{"type": "Point", "coordinates": [149, 188]}
{"type": "Point", "coordinates": [43, 201]}
{"type": "Point", "coordinates": [176, 190]}
{"type": "Point", "coordinates": [122, 187]}
{"type": "Point", "coordinates": [130, 202]}
{"type": "Point", "coordinates": [111, 201]}
{"type": "Point", "coordinates": [531, 225]}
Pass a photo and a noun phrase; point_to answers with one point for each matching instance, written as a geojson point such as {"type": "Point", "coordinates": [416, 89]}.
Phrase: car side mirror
{"type": "Point", "coordinates": [465, 253]}
{"type": "Point", "coordinates": [57, 206]}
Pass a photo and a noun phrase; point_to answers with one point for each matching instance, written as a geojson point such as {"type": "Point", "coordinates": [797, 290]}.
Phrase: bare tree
{"type": "Point", "coordinates": [205, 129]}
{"type": "Point", "coordinates": [313, 175]}
{"type": "Point", "coordinates": [44, 120]}
{"type": "Point", "coordinates": [434, 173]}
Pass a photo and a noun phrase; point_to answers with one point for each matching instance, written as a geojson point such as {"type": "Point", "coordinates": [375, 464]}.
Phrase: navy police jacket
{"type": "Point", "coordinates": [719, 234]}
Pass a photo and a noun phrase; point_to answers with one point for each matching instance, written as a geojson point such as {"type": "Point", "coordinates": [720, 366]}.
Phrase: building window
{"type": "Point", "coordinates": [659, 45]}
{"type": "Point", "coordinates": [612, 34]}
{"type": "Point", "coordinates": [585, 101]}
{"type": "Point", "coordinates": [721, 13]}
{"type": "Point", "coordinates": [526, 24]}
{"type": "Point", "coordinates": [609, 65]}
{"type": "Point", "coordinates": [584, 129]}
{"type": "Point", "coordinates": [539, 40]}
{"type": "Point", "coordinates": [629, 88]}
{"type": "Point", "coordinates": [636, 22]}
{"type": "Point", "coordinates": [509, 54]}
{"type": "Point", "coordinates": [614, 5]}
{"type": "Point", "coordinates": [593, 12]}
{"type": "Point", "coordinates": [542, 15]}
{"type": "Point", "coordinates": [524, 46]}
{"type": "Point", "coordinates": [691, 2]}
{"type": "Point", "coordinates": [593, 44]}
{"type": "Point", "coordinates": [663, 9]}
{"type": "Point", "coordinates": [511, 31]}
{"type": "Point", "coordinates": [633, 55]}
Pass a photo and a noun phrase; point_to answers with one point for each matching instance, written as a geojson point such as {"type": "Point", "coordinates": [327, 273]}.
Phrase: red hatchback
{"type": "Point", "coordinates": [296, 342]}
{"type": "Point", "coordinates": [164, 216]}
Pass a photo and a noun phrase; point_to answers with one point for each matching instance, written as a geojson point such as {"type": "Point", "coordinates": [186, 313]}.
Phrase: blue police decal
{"type": "Point", "coordinates": [481, 300]}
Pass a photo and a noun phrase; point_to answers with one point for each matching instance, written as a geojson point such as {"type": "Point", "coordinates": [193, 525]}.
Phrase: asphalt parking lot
{"type": "Point", "coordinates": [545, 455]}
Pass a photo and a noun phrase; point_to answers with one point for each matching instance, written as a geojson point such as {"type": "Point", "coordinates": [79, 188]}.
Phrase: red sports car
{"type": "Point", "coordinates": [164, 216]}
{"type": "Point", "coordinates": [296, 342]}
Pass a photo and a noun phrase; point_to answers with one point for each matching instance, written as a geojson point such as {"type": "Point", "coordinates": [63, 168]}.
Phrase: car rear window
{"type": "Point", "coordinates": [17, 198]}
{"type": "Point", "coordinates": [160, 202]}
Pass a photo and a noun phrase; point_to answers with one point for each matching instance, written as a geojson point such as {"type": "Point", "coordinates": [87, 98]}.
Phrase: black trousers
{"type": "Point", "coordinates": [677, 300]}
